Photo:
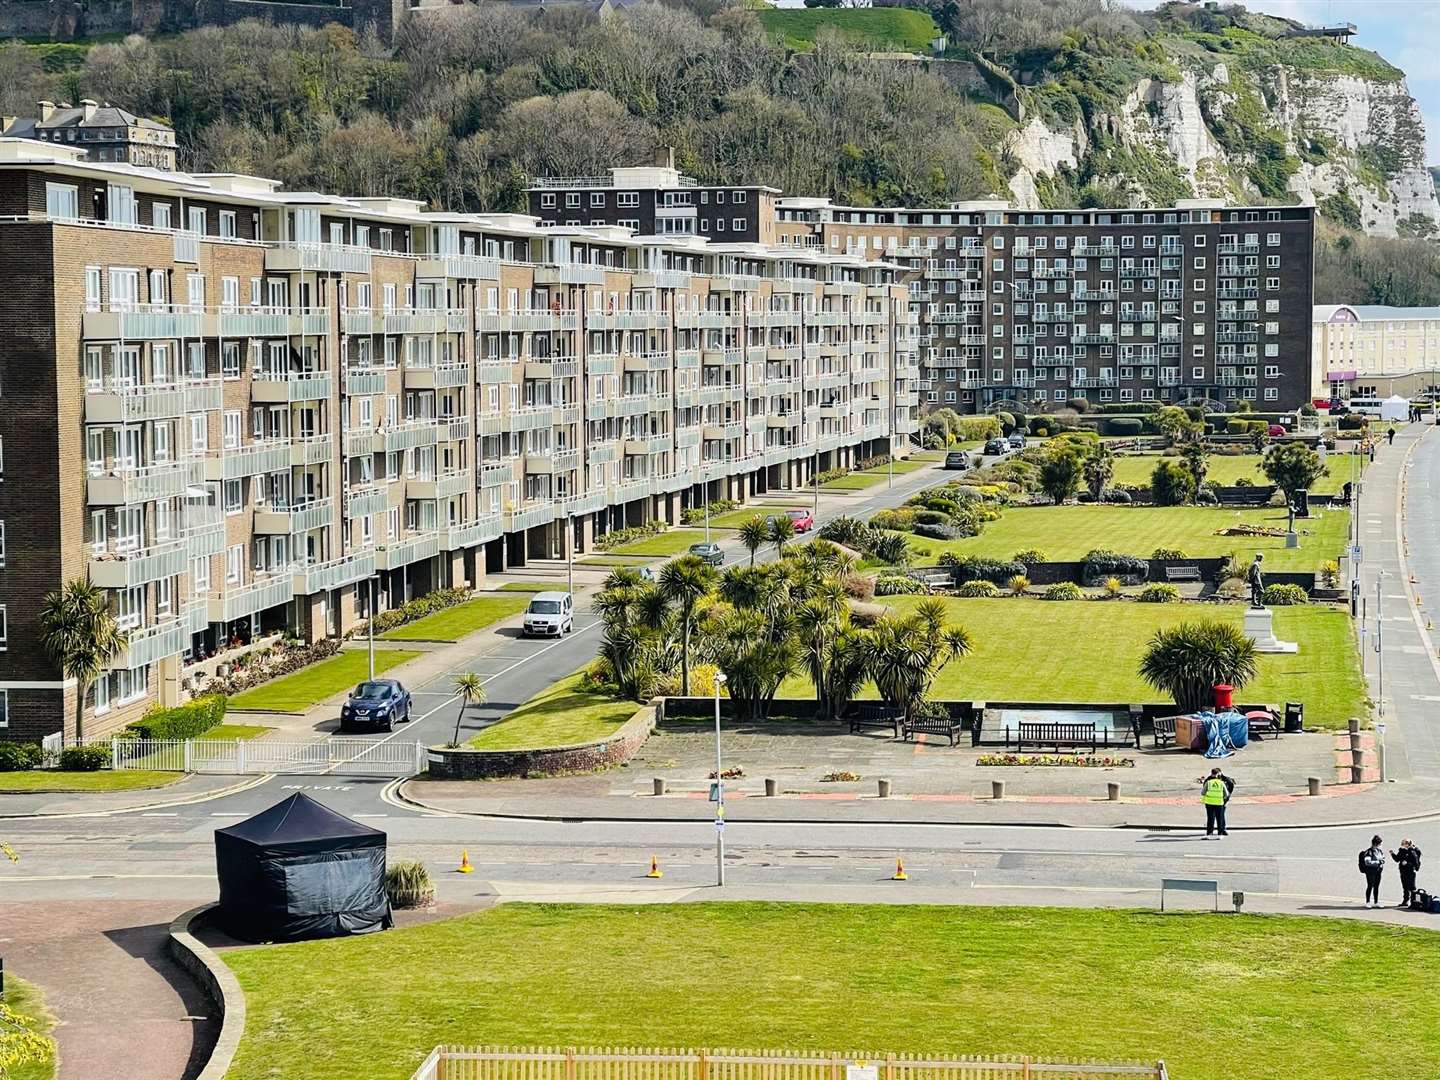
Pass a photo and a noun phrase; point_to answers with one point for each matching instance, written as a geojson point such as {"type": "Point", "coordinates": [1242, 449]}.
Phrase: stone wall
{"type": "Point", "coordinates": [463, 764]}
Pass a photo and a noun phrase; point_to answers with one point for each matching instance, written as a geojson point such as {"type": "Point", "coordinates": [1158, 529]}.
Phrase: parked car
{"type": "Point", "coordinates": [549, 614]}
{"type": "Point", "coordinates": [996, 446]}
{"type": "Point", "coordinates": [1017, 441]}
{"type": "Point", "coordinates": [957, 459]}
{"type": "Point", "coordinates": [376, 705]}
{"type": "Point", "coordinates": [708, 551]}
{"type": "Point", "coordinates": [1276, 430]}
{"type": "Point", "coordinates": [803, 520]}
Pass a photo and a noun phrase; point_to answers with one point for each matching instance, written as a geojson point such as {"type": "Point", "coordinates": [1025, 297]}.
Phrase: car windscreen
{"type": "Point", "coordinates": [374, 691]}
{"type": "Point", "coordinates": [544, 607]}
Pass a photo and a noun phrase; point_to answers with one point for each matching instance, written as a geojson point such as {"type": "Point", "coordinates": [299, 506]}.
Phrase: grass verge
{"type": "Point", "coordinates": [454, 623]}
{"type": "Point", "coordinates": [669, 542]}
{"type": "Point", "coordinates": [1225, 470]}
{"type": "Point", "coordinates": [25, 998]}
{"type": "Point", "coordinates": [296, 693]}
{"type": "Point", "coordinates": [530, 586]}
{"type": "Point", "coordinates": [562, 715]}
{"type": "Point", "coordinates": [35, 780]}
{"type": "Point", "coordinates": [886, 29]}
{"type": "Point", "coordinates": [853, 976]}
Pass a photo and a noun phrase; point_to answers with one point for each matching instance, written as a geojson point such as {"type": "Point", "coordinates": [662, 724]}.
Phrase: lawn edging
{"type": "Point", "coordinates": [462, 763]}
{"type": "Point", "coordinates": [219, 984]}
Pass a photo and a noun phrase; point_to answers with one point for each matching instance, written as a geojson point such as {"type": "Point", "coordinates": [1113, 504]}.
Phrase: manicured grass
{"type": "Point", "coordinates": [25, 998]}
{"type": "Point", "coordinates": [1225, 470]}
{"type": "Point", "coordinates": [878, 29]}
{"type": "Point", "coordinates": [669, 542]}
{"type": "Point", "coordinates": [868, 478]}
{"type": "Point", "coordinates": [1069, 532]}
{"type": "Point", "coordinates": [453, 623]}
{"type": "Point", "coordinates": [296, 693]}
{"type": "Point", "coordinates": [614, 560]}
{"type": "Point", "coordinates": [1089, 650]}
{"type": "Point", "coordinates": [236, 731]}
{"type": "Point", "coordinates": [733, 519]}
{"type": "Point", "coordinates": [561, 715]}
{"type": "Point", "coordinates": [104, 780]}
{"type": "Point", "coordinates": [528, 586]}
{"type": "Point", "coordinates": [1349, 999]}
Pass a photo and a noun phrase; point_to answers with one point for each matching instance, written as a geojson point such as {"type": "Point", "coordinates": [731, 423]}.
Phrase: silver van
{"type": "Point", "coordinates": [549, 615]}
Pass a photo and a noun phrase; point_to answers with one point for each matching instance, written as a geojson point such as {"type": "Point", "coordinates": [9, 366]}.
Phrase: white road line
{"type": "Point", "coordinates": [171, 814]}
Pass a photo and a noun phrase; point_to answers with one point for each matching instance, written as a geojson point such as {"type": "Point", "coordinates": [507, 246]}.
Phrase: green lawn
{"type": "Point", "coordinates": [236, 731]}
{"type": "Point", "coordinates": [1046, 650]}
{"type": "Point", "coordinates": [868, 478]}
{"type": "Point", "coordinates": [296, 693]}
{"type": "Point", "coordinates": [875, 29]}
{"type": "Point", "coordinates": [562, 715]}
{"type": "Point", "coordinates": [669, 542]}
{"type": "Point", "coordinates": [733, 519]}
{"type": "Point", "coordinates": [1243, 997]}
{"type": "Point", "coordinates": [614, 560]}
{"type": "Point", "coordinates": [454, 623]}
{"type": "Point", "coordinates": [25, 998]}
{"type": "Point", "coordinates": [528, 586]}
{"type": "Point", "coordinates": [1069, 532]}
{"type": "Point", "coordinates": [1225, 470]}
{"type": "Point", "coordinates": [55, 780]}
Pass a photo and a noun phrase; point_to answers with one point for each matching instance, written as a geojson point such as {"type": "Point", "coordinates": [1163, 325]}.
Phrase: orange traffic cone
{"type": "Point", "coordinates": [465, 867]}
{"type": "Point", "coordinates": [899, 874]}
{"type": "Point", "coordinates": [655, 870]}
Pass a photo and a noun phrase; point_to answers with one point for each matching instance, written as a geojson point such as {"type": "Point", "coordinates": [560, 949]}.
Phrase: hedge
{"type": "Point", "coordinates": [1066, 590]}
{"type": "Point", "coordinates": [613, 539]}
{"type": "Point", "coordinates": [84, 758]}
{"type": "Point", "coordinates": [1125, 425]}
{"type": "Point", "coordinates": [1159, 593]}
{"type": "Point", "coordinates": [17, 757]}
{"type": "Point", "coordinates": [187, 721]}
{"type": "Point", "coordinates": [1285, 595]}
{"type": "Point", "coordinates": [973, 568]}
{"type": "Point", "coordinates": [1101, 563]}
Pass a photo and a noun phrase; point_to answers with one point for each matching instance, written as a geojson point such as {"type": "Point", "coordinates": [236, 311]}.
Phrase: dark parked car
{"type": "Point", "coordinates": [957, 459]}
{"type": "Point", "coordinates": [996, 446]}
{"type": "Point", "coordinates": [710, 552]}
{"type": "Point", "coordinates": [377, 704]}
{"type": "Point", "coordinates": [1017, 441]}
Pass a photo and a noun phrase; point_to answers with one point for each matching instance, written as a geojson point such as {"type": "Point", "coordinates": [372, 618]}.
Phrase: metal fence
{"type": "Point", "coordinates": [503, 1063]}
{"type": "Point", "coordinates": [254, 756]}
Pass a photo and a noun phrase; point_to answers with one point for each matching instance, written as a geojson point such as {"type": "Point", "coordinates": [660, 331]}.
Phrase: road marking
{"type": "Point", "coordinates": [170, 814]}
{"type": "Point", "coordinates": [371, 815]}
{"type": "Point", "coordinates": [227, 813]}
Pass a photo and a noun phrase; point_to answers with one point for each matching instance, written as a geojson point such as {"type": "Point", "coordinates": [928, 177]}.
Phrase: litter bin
{"type": "Point", "coordinates": [1223, 692]}
{"type": "Point", "coordinates": [1294, 717]}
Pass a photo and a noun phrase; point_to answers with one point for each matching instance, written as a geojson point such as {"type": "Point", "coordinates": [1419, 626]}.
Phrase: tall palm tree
{"type": "Point", "coordinates": [754, 534]}
{"type": "Point", "coordinates": [780, 531]}
{"type": "Point", "coordinates": [471, 691]}
{"type": "Point", "coordinates": [685, 582]}
{"type": "Point", "coordinates": [1188, 660]}
{"type": "Point", "coordinates": [831, 650]}
{"type": "Point", "coordinates": [81, 638]}
{"type": "Point", "coordinates": [906, 653]}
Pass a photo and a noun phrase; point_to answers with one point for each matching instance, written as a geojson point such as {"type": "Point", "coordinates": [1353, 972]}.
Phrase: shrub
{"type": "Point", "coordinates": [695, 515]}
{"type": "Point", "coordinates": [1113, 587]}
{"type": "Point", "coordinates": [977, 428]}
{"type": "Point", "coordinates": [288, 658]}
{"type": "Point", "coordinates": [1066, 590]}
{"type": "Point", "coordinates": [901, 519]}
{"type": "Point", "coordinates": [1159, 593]}
{"type": "Point", "coordinates": [17, 757]}
{"type": "Point", "coordinates": [831, 474]}
{"type": "Point", "coordinates": [939, 532]}
{"type": "Point", "coordinates": [1352, 422]}
{"type": "Point", "coordinates": [858, 586]}
{"type": "Point", "coordinates": [974, 568]}
{"type": "Point", "coordinates": [1162, 553]}
{"type": "Point", "coordinates": [844, 530]}
{"type": "Point", "coordinates": [898, 585]}
{"type": "Point", "coordinates": [1030, 556]}
{"type": "Point", "coordinates": [1125, 425]}
{"type": "Point", "coordinates": [1171, 484]}
{"type": "Point", "coordinates": [1285, 595]}
{"type": "Point", "coordinates": [187, 721]}
{"type": "Point", "coordinates": [421, 606]}
{"type": "Point", "coordinates": [1186, 661]}
{"type": "Point", "coordinates": [889, 548]}
{"type": "Point", "coordinates": [1206, 498]}
{"type": "Point", "coordinates": [930, 517]}
{"type": "Point", "coordinates": [1102, 564]}
{"type": "Point", "coordinates": [1118, 496]}
{"type": "Point", "coordinates": [408, 884]}
{"type": "Point", "coordinates": [84, 758]}
{"type": "Point", "coordinates": [615, 538]}
{"type": "Point", "coordinates": [598, 677]}
{"type": "Point", "coordinates": [1330, 574]}
{"type": "Point", "coordinates": [879, 461]}
{"type": "Point", "coordinates": [1018, 584]}
{"type": "Point", "coordinates": [978, 590]}
{"type": "Point", "coordinates": [1237, 426]}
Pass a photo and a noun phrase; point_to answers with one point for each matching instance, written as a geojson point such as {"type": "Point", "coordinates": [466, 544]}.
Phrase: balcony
{"type": "Point", "coordinates": [705, 320]}
{"type": "Point", "coordinates": [273, 322]}
{"type": "Point", "coordinates": [662, 279]}
{"type": "Point", "coordinates": [734, 282]}
{"type": "Point", "coordinates": [630, 405]}
{"type": "Point", "coordinates": [204, 530]}
{"type": "Point", "coordinates": [359, 443]}
{"type": "Point", "coordinates": [152, 644]}
{"type": "Point", "coordinates": [424, 321]}
{"type": "Point", "coordinates": [720, 357]}
{"type": "Point", "coordinates": [459, 267]}
{"type": "Point", "coordinates": [686, 437]}
{"type": "Point", "coordinates": [126, 486]}
{"type": "Point", "coordinates": [648, 319]}
{"type": "Point", "coordinates": [1093, 339]}
{"type": "Point", "coordinates": [363, 381]}
{"type": "Point", "coordinates": [290, 386]}
{"type": "Point", "coordinates": [295, 519]}
{"type": "Point", "coordinates": [1238, 336]}
{"type": "Point", "coordinates": [1236, 292]}
{"type": "Point", "coordinates": [648, 444]}
{"type": "Point", "coordinates": [587, 503]}
{"type": "Point", "coordinates": [158, 322]}
{"type": "Point", "coordinates": [312, 449]}
{"type": "Point", "coordinates": [322, 577]}
{"type": "Point", "coordinates": [248, 459]}
{"type": "Point", "coordinates": [366, 501]}
{"type": "Point", "coordinates": [1052, 272]}
{"type": "Point", "coordinates": [412, 549]}
{"type": "Point", "coordinates": [556, 367]}
{"type": "Point", "coordinates": [527, 517]}
{"type": "Point", "coordinates": [132, 404]}
{"type": "Point", "coordinates": [1102, 295]}
{"type": "Point", "coordinates": [454, 429]}
{"type": "Point", "coordinates": [407, 436]}
{"type": "Point", "coordinates": [629, 490]}
{"type": "Point", "coordinates": [238, 601]}
{"type": "Point", "coordinates": [482, 530]}
{"type": "Point", "coordinates": [439, 487]}
{"type": "Point", "coordinates": [654, 361]}
{"type": "Point", "coordinates": [492, 476]}
{"type": "Point", "coordinates": [715, 394]}
{"type": "Point", "coordinates": [531, 417]}
{"type": "Point", "coordinates": [290, 257]}
{"type": "Point", "coordinates": [438, 377]}
{"type": "Point", "coordinates": [539, 463]}
{"type": "Point", "coordinates": [1139, 272]}
{"type": "Point", "coordinates": [1229, 380]}
{"type": "Point", "coordinates": [1237, 249]}
{"type": "Point", "coordinates": [125, 570]}
{"type": "Point", "coordinates": [1095, 381]}
{"type": "Point", "coordinates": [489, 372]}
{"type": "Point", "coordinates": [570, 274]}
{"type": "Point", "coordinates": [602, 453]}
{"type": "Point", "coordinates": [493, 423]}
{"type": "Point", "coordinates": [495, 321]}
{"type": "Point", "coordinates": [731, 429]}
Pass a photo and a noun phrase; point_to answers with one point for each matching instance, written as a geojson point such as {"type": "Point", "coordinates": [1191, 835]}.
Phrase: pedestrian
{"type": "Point", "coordinates": [1390, 435]}
{"type": "Point", "coordinates": [1407, 861]}
{"type": "Point", "coordinates": [1372, 865]}
{"type": "Point", "coordinates": [1215, 792]}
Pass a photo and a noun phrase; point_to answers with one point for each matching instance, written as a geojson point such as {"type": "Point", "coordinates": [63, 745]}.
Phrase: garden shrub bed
{"type": "Point", "coordinates": [187, 721]}
{"type": "Point", "coordinates": [620, 537]}
{"type": "Point", "coordinates": [252, 669]}
{"type": "Point", "coordinates": [1077, 761]}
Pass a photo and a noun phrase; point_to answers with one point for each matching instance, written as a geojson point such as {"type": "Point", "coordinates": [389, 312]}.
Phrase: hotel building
{"type": "Point", "coordinates": [1370, 352]}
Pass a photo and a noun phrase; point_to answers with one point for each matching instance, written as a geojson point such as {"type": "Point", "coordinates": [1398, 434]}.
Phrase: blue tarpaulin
{"type": "Point", "coordinates": [1221, 730]}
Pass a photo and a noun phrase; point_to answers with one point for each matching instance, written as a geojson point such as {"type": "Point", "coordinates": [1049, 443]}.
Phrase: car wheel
{"type": "Point", "coordinates": [389, 726]}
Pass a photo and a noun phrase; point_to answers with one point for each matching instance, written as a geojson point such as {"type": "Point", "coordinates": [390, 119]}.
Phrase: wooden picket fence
{"type": "Point", "coordinates": [613, 1063]}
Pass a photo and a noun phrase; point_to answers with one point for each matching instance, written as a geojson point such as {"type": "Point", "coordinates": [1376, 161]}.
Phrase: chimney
{"type": "Point", "coordinates": [47, 110]}
{"type": "Point", "coordinates": [89, 106]}
{"type": "Point", "coordinates": [665, 157]}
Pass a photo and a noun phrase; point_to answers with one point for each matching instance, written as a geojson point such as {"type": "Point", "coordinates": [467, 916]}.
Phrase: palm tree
{"type": "Point", "coordinates": [1099, 469]}
{"type": "Point", "coordinates": [1187, 661]}
{"type": "Point", "coordinates": [80, 637]}
{"type": "Point", "coordinates": [754, 534]}
{"type": "Point", "coordinates": [1196, 459]}
{"type": "Point", "coordinates": [686, 581]}
{"type": "Point", "coordinates": [832, 651]}
{"type": "Point", "coordinates": [780, 531]}
{"type": "Point", "coordinates": [471, 691]}
{"type": "Point", "coordinates": [905, 654]}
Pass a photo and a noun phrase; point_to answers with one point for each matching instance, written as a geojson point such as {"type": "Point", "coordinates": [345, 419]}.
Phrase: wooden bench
{"type": "Point", "coordinates": [1164, 731]}
{"type": "Point", "coordinates": [1058, 735]}
{"type": "Point", "coordinates": [1182, 573]}
{"type": "Point", "coordinates": [934, 724]}
{"type": "Point", "coordinates": [937, 578]}
{"type": "Point", "coordinates": [869, 717]}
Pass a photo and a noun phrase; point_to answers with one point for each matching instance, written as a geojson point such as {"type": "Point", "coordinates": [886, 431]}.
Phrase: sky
{"type": "Point", "coordinates": [1404, 32]}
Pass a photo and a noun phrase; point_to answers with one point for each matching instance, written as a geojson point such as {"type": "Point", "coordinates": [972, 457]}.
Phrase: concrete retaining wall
{"type": "Point", "coordinates": [219, 984]}
{"type": "Point", "coordinates": [462, 764]}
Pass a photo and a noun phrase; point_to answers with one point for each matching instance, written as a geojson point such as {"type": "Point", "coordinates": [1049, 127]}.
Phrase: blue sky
{"type": "Point", "coordinates": [1405, 32]}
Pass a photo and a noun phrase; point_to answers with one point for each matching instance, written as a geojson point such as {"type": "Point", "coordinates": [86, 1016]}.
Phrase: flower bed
{"type": "Point", "coordinates": [254, 668]}
{"type": "Point", "coordinates": [620, 537]}
{"type": "Point", "coordinates": [1077, 761]}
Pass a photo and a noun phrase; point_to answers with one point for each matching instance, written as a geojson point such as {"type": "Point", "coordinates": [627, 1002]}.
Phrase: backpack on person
{"type": "Point", "coordinates": [1370, 859]}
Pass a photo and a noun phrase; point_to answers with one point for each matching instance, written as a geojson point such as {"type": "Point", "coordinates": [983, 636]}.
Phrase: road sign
{"type": "Point", "coordinates": [1380, 727]}
{"type": "Point", "coordinates": [719, 824]}
{"type": "Point", "coordinates": [714, 792]}
{"type": "Point", "coordinates": [862, 1072]}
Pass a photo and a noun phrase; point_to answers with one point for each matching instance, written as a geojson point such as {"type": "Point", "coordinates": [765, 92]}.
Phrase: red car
{"type": "Point", "coordinates": [803, 520]}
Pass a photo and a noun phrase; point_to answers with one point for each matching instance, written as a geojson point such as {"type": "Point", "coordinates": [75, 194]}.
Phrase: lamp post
{"type": "Point", "coordinates": [705, 486]}
{"type": "Point", "coordinates": [1379, 646]}
{"type": "Point", "coordinates": [570, 556]}
{"type": "Point", "coordinates": [719, 790]}
{"type": "Point", "coordinates": [370, 625]}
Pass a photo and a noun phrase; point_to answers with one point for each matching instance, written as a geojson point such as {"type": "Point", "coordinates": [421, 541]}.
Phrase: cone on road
{"type": "Point", "coordinates": [655, 870]}
{"type": "Point", "coordinates": [899, 874]}
{"type": "Point", "coordinates": [465, 867]}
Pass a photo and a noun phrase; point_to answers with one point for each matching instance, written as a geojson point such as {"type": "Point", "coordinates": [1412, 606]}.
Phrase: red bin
{"type": "Point", "coordinates": [1222, 696]}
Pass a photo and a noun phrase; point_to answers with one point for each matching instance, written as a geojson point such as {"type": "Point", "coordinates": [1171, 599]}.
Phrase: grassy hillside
{"type": "Point", "coordinates": [875, 29]}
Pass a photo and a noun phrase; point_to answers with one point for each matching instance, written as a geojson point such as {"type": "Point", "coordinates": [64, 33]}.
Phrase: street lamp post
{"type": "Point", "coordinates": [705, 486]}
{"type": "Point", "coordinates": [719, 790]}
{"type": "Point", "coordinates": [570, 556]}
{"type": "Point", "coordinates": [1379, 646]}
{"type": "Point", "coordinates": [370, 625]}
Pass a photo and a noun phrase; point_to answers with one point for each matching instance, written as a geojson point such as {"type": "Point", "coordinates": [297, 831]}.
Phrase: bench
{"type": "Point", "coordinates": [1197, 885]}
{"type": "Point", "coordinates": [1260, 726]}
{"type": "Point", "coordinates": [939, 578]}
{"type": "Point", "coordinates": [1069, 736]}
{"type": "Point", "coordinates": [870, 717]}
{"type": "Point", "coordinates": [1182, 573]}
{"type": "Point", "coordinates": [1164, 731]}
{"type": "Point", "coordinates": [934, 724]}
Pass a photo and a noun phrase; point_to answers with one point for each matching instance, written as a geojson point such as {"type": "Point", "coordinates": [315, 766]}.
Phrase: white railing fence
{"type": "Point", "coordinates": [257, 756]}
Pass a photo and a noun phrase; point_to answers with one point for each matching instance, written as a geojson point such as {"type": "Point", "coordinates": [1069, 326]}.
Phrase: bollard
{"type": "Point", "coordinates": [659, 785]}
{"type": "Point", "coordinates": [884, 786]}
{"type": "Point", "coordinates": [1314, 782]}
{"type": "Point", "coordinates": [997, 789]}
{"type": "Point", "coordinates": [770, 787]}
{"type": "Point", "coordinates": [1112, 791]}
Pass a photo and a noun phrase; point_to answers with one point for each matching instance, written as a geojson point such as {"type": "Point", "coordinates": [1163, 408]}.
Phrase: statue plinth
{"type": "Point", "coordinates": [1260, 628]}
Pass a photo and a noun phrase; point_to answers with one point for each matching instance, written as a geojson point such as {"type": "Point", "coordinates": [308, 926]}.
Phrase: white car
{"type": "Point", "coordinates": [549, 614]}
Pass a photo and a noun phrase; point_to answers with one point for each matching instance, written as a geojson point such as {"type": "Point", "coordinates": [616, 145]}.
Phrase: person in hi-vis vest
{"type": "Point", "coordinates": [1215, 793]}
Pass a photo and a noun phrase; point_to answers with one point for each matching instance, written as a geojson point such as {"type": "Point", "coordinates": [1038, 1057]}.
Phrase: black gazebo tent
{"type": "Point", "coordinates": [300, 870]}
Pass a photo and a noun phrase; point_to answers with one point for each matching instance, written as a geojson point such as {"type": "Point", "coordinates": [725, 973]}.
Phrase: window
{"type": "Point", "coordinates": [626, 198]}
{"type": "Point", "coordinates": [235, 564]}
{"type": "Point", "coordinates": [102, 694]}
{"type": "Point", "coordinates": [597, 198]}
{"type": "Point", "coordinates": [737, 197]}
{"type": "Point", "coordinates": [160, 215]}
{"type": "Point", "coordinates": [227, 224]}
{"type": "Point", "coordinates": [572, 198]}
{"type": "Point", "coordinates": [738, 224]}
{"type": "Point", "coordinates": [547, 200]}
{"type": "Point", "coordinates": [62, 201]}
{"type": "Point", "coordinates": [1272, 393]}
{"type": "Point", "coordinates": [233, 497]}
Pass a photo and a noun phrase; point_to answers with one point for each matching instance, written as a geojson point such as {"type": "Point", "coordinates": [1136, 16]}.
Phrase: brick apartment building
{"type": "Point", "coordinates": [235, 407]}
{"type": "Point", "coordinates": [1198, 302]}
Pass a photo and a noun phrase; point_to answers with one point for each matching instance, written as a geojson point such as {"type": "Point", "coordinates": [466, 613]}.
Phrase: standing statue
{"type": "Point", "coordinates": [1256, 580]}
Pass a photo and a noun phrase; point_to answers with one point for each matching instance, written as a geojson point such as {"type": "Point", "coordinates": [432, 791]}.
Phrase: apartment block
{"type": "Point", "coordinates": [1033, 309]}
{"type": "Point", "coordinates": [241, 410]}
{"type": "Point", "coordinates": [1369, 352]}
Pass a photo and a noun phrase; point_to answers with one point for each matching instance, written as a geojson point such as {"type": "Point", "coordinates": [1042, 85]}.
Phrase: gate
{"type": "Point", "coordinates": [336, 756]}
